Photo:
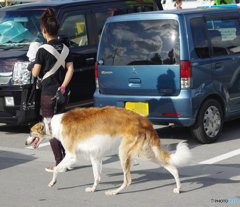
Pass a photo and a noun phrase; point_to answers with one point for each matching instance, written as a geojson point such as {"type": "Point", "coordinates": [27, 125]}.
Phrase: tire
{"type": "Point", "coordinates": [209, 123]}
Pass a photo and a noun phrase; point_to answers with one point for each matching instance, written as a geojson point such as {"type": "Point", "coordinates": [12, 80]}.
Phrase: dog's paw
{"type": "Point", "coordinates": [51, 184]}
{"type": "Point", "coordinates": [177, 190]}
{"type": "Point", "coordinates": [90, 190]}
{"type": "Point", "coordinates": [111, 192]}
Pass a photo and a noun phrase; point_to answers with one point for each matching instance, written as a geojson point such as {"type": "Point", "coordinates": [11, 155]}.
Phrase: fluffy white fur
{"type": "Point", "coordinates": [182, 155]}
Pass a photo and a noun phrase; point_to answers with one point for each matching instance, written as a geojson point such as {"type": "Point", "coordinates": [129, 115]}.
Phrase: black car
{"type": "Point", "coordinates": [81, 24]}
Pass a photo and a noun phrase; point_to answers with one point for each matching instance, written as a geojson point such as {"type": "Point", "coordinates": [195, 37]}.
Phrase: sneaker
{"type": "Point", "coordinates": [50, 169]}
{"type": "Point", "coordinates": [69, 168]}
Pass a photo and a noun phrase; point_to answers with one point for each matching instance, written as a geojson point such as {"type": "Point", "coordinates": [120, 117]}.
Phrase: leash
{"type": "Point", "coordinates": [56, 103]}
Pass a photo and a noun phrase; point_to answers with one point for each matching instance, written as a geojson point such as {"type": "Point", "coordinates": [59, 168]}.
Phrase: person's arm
{"type": "Point", "coordinates": [36, 70]}
{"type": "Point", "coordinates": [68, 76]}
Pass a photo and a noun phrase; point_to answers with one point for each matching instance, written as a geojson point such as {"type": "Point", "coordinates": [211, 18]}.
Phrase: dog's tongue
{"type": "Point", "coordinates": [36, 142]}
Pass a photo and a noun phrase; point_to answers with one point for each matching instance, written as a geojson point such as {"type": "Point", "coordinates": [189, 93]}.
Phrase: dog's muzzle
{"type": "Point", "coordinates": [33, 140]}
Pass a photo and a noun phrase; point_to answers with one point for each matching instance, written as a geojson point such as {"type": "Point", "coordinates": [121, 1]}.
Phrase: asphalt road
{"type": "Point", "coordinates": [212, 178]}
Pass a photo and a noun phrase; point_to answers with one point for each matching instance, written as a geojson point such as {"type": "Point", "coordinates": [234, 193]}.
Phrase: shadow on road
{"type": "Point", "coordinates": [196, 177]}
{"type": "Point", "coordinates": [230, 132]}
{"type": "Point", "coordinates": [12, 159]}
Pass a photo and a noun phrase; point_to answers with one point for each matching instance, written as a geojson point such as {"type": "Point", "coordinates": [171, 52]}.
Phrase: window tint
{"type": "Point", "coordinates": [199, 37]}
{"type": "Point", "coordinates": [101, 16]}
{"type": "Point", "coordinates": [74, 27]}
{"type": "Point", "coordinates": [154, 42]}
{"type": "Point", "coordinates": [225, 36]}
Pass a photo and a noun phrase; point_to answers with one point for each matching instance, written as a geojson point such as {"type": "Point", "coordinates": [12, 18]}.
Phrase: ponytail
{"type": "Point", "coordinates": [50, 22]}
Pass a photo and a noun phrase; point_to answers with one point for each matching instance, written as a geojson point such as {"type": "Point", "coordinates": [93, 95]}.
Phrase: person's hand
{"type": "Point", "coordinates": [62, 89]}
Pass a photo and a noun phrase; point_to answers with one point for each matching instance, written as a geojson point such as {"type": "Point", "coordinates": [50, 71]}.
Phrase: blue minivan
{"type": "Point", "coordinates": [177, 67]}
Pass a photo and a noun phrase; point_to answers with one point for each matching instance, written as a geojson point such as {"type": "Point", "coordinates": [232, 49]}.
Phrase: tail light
{"type": "Point", "coordinates": [186, 74]}
{"type": "Point", "coordinates": [96, 74]}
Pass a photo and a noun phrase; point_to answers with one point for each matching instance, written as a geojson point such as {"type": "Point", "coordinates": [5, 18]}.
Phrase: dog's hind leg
{"type": "Point", "coordinates": [174, 171]}
{"type": "Point", "coordinates": [97, 168]}
{"type": "Point", "coordinates": [67, 161]}
{"type": "Point", "coordinates": [125, 159]}
{"type": "Point", "coordinates": [162, 158]}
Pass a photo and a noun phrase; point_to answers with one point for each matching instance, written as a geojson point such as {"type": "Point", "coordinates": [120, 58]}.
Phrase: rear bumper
{"type": "Point", "coordinates": [159, 106]}
{"type": "Point", "coordinates": [9, 114]}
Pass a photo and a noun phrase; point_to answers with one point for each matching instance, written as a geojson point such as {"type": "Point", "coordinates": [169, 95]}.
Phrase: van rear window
{"type": "Point", "coordinates": [148, 42]}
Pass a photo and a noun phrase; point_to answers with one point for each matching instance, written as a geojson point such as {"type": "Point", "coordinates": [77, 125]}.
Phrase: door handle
{"type": "Point", "coordinates": [134, 82]}
{"type": "Point", "coordinates": [219, 66]}
{"type": "Point", "coordinates": [90, 59]}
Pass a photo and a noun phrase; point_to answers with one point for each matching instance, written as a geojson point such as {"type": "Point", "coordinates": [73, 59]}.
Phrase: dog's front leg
{"type": "Point", "coordinates": [66, 162]}
{"type": "Point", "coordinates": [97, 168]}
{"type": "Point", "coordinates": [54, 179]}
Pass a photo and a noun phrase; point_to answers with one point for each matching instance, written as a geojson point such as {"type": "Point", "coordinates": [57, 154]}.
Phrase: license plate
{"type": "Point", "coordinates": [138, 107]}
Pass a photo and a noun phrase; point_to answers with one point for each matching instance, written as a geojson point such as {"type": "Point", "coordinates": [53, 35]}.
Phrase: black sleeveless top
{"type": "Point", "coordinates": [47, 61]}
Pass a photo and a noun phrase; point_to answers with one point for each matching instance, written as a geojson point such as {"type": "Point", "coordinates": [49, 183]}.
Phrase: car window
{"type": "Point", "coordinates": [225, 36]}
{"type": "Point", "coordinates": [148, 42]}
{"type": "Point", "coordinates": [101, 16]}
{"type": "Point", "coordinates": [74, 28]}
{"type": "Point", "coordinates": [199, 37]}
{"type": "Point", "coordinates": [19, 29]}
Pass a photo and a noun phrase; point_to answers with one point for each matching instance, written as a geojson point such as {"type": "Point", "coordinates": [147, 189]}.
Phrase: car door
{"type": "Point", "coordinates": [77, 27]}
{"type": "Point", "coordinates": [224, 33]}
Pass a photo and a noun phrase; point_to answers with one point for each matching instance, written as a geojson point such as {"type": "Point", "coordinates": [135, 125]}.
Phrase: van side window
{"type": "Point", "coordinates": [100, 19]}
{"type": "Point", "coordinates": [101, 16]}
{"type": "Point", "coordinates": [224, 36]}
{"type": "Point", "coordinates": [74, 27]}
{"type": "Point", "coordinates": [147, 42]}
{"type": "Point", "coordinates": [199, 37]}
{"type": "Point", "coordinates": [108, 12]}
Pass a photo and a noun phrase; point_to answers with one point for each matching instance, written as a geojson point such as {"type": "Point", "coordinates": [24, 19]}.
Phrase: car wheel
{"type": "Point", "coordinates": [209, 122]}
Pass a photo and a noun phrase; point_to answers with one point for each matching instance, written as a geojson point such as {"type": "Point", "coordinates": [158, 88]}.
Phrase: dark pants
{"type": "Point", "coordinates": [47, 107]}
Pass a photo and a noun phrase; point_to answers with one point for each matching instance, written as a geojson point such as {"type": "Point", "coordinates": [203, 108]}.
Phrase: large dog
{"type": "Point", "coordinates": [95, 131]}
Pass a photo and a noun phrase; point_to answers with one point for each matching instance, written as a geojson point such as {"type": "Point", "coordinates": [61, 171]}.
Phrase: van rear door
{"type": "Point", "coordinates": [140, 57]}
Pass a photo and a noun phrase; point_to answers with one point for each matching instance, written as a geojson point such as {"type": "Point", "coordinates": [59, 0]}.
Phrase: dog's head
{"type": "Point", "coordinates": [38, 133]}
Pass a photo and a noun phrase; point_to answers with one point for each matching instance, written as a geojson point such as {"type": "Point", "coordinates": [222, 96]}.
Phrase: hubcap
{"type": "Point", "coordinates": [212, 121]}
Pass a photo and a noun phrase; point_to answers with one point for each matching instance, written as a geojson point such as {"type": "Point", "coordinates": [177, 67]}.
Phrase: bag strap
{"type": "Point", "coordinates": [60, 58]}
{"type": "Point", "coordinates": [29, 99]}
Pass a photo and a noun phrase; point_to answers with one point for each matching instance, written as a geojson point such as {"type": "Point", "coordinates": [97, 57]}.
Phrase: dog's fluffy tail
{"type": "Point", "coordinates": [182, 156]}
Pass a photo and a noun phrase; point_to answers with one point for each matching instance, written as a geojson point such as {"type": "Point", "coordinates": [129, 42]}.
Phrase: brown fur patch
{"type": "Point", "coordinates": [82, 123]}
{"type": "Point", "coordinates": [39, 128]}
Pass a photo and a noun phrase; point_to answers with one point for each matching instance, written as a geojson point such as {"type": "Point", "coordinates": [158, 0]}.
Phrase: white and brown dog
{"type": "Point", "coordinates": [95, 131]}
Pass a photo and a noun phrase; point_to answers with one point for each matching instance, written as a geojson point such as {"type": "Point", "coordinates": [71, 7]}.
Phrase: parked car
{"type": "Point", "coordinates": [186, 4]}
{"type": "Point", "coordinates": [177, 66]}
{"type": "Point", "coordinates": [81, 23]}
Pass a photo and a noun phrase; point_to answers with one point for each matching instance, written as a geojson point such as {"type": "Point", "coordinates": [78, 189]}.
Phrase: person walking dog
{"type": "Point", "coordinates": [54, 66]}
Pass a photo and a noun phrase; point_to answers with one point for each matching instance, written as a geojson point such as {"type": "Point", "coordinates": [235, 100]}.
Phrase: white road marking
{"type": "Point", "coordinates": [221, 157]}
{"type": "Point", "coordinates": [41, 145]}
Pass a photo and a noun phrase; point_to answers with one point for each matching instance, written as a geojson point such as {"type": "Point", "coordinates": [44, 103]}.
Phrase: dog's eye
{"type": "Point", "coordinates": [41, 126]}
